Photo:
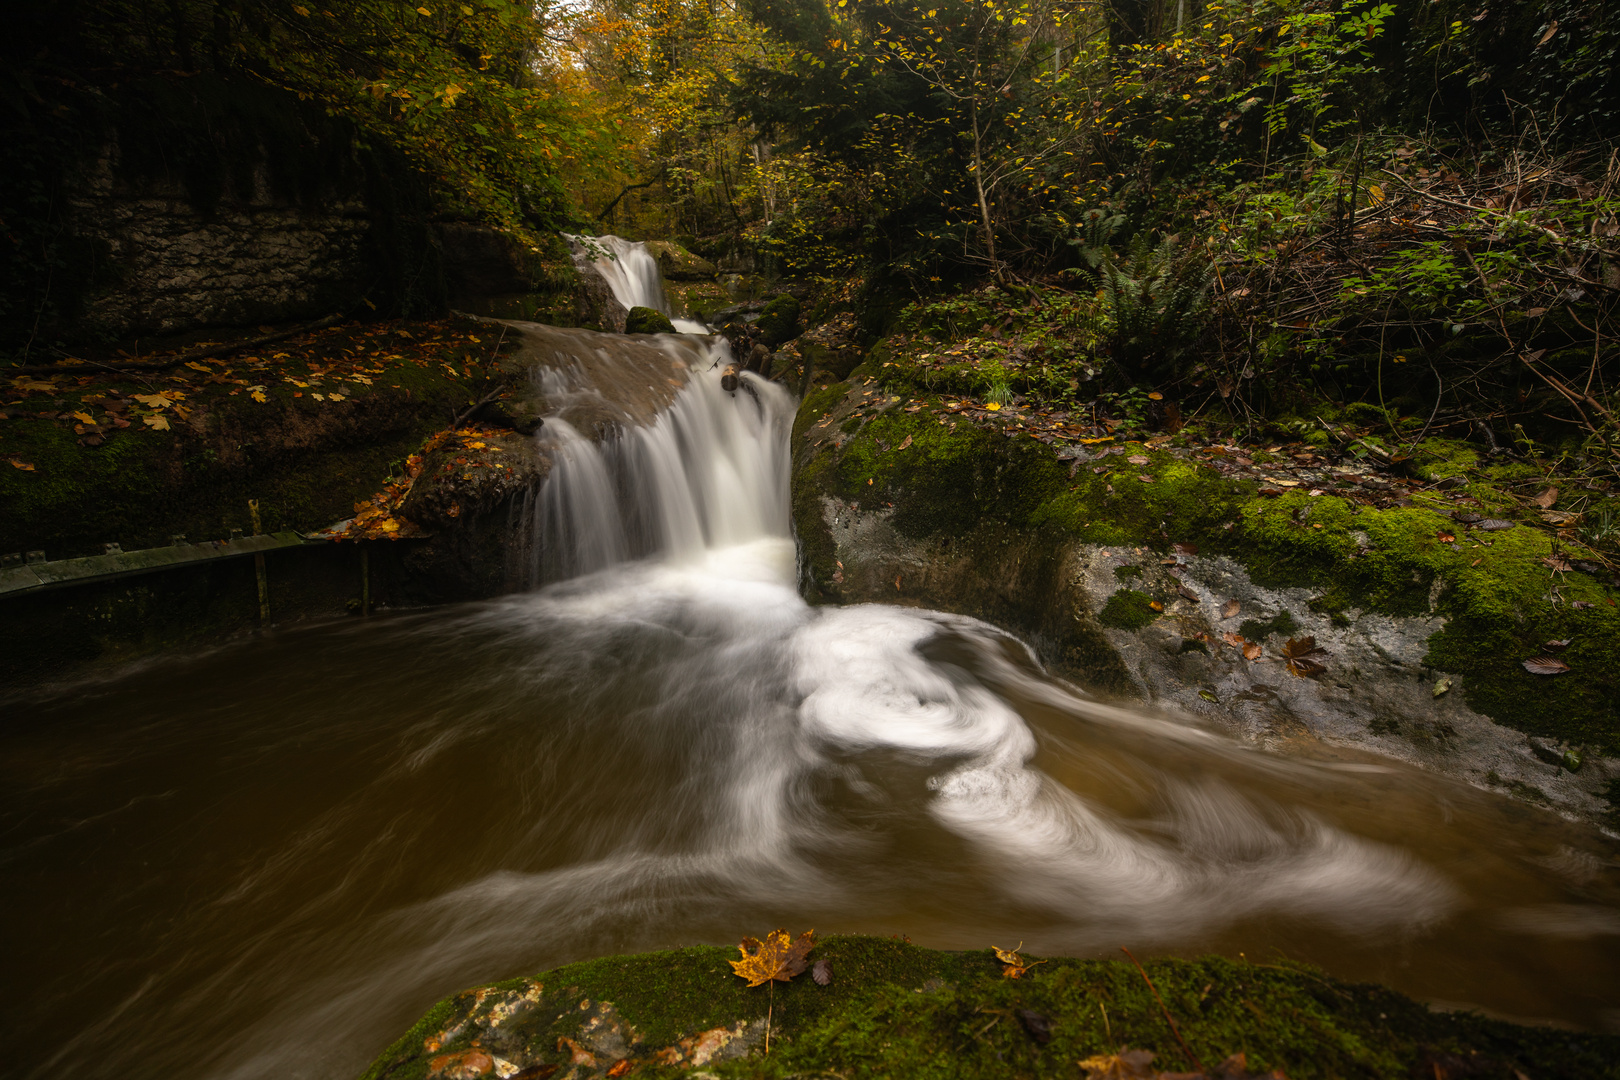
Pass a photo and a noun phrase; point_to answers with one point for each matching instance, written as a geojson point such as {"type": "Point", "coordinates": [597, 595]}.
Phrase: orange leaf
{"type": "Point", "coordinates": [778, 957]}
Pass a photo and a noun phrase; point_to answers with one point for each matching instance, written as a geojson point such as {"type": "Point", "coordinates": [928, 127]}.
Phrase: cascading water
{"type": "Point", "coordinates": [632, 273]}
{"type": "Point", "coordinates": [709, 472]}
{"type": "Point", "coordinates": [298, 843]}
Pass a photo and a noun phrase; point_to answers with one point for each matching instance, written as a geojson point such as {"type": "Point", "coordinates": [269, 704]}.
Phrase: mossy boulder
{"type": "Point", "coordinates": [894, 1009]}
{"type": "Point", "coordinates": [779, 322]}
{"type": "Point", "coordinates": [676, 263]}
{"type": "Point", "coordinates": [646, 320]}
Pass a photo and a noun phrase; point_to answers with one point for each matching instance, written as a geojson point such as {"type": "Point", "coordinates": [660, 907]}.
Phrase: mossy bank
{"type": "Point", "coordinates": [893, 1009]}
{"type": "Point", "coordinates": [1120, 560]}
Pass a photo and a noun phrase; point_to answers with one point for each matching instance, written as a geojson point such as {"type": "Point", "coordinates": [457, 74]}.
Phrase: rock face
{"type": "Point", "coordinates": [924, 509]}
{"type": "Point", "coordinates": [678, 264]}
{"type": "Point", "coordinates": [167, 267]}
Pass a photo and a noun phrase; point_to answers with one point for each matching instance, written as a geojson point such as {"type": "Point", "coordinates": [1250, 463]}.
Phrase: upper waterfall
{"type": "Point", "coordinates": [632, 273]}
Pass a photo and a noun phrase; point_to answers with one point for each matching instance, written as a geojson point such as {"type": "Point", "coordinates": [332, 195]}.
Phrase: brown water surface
{"type": "Point", "coordinates": [268, 860]}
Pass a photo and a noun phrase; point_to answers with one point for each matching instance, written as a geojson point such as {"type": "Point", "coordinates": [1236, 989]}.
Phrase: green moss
{"type": "Point", "coordinates": [893, 1009]}
{"type": "Point", "coordinates": [1282, 624]}
{"type": "Point", "coordinates": [779, 321]}
{"type": "Point", "coordinates": [1128, 609]}
{"type": "Point", "coordinates": [1123, 573]}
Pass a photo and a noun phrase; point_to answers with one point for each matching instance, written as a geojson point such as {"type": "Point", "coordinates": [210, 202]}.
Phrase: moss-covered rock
{"type": "Point", "coordinates": [646, 320]}
{"type": "Point", "coordinates": [894, 487]}
{"type": "Point", "coordinates": [779, 322]}
{"type": "Point", "coordinates": [893, 1009]}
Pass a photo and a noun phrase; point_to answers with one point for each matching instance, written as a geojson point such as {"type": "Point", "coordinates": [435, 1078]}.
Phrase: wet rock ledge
{"type": "Point", "coordinates": [893, 1009]}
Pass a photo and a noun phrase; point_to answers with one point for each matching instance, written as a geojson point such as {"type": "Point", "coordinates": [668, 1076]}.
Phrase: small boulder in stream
{"type": "Point", "coordinates": [646, 320]}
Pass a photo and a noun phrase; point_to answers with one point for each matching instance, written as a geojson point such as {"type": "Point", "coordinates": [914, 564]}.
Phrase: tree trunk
{"type": "Point", "coordinates": [978, 185]}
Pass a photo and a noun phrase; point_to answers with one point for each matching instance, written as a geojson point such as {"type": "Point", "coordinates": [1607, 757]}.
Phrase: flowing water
{"type": "Point", "coordinates": [268, 860]}
{"type": "Point", "coordinates": [632, 273]}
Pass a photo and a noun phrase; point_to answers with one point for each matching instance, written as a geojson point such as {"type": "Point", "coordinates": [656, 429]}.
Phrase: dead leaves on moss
{"type": "Point", "coordinates": [378, 518]}
{"type": "Point", "coordinates": [1014, 966]}
{"type": "Point", "coordinates": [777, 958]}
{"type": "Point", "coordinates": [1138, 1065]}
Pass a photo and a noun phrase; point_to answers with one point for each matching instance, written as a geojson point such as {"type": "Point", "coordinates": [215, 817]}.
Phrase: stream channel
{"type": "Point", "coordinates": [267, 860]}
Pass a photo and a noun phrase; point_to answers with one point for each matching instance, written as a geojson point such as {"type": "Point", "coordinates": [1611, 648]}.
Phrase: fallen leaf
{"type": "Point", "coordinates": [153, 401]}
{"type": "Point", "coordinates": [1185, 549]}
{"type": "Point", "coordinates": [1552, 28]}
{"type": "Point", "coordinates": [84, 418]}
{"type": "Point", "coordinates": [1447, 538]}
{"type": "Point", "coordinates": [1493, 524]}
{"type": "Point", "coordinates": [822, 972]}
{"type": "Point", "coordinates": [1578, 605]}
{"type": "Point", "coordinates": [992, 406]}
{"type": "Point", "coordinates": [1555, 562]}
{"type": "Point", "coordinates": [1546, 498]}
{"type": "Point", "coordinates": [1441, 686]}
{"type": "Point", "coordinates": [23, 465]}
{"type": "Point", "coordinates": [1155, 605]}
{"type": "Point", "coordinates": [467, 1065]}
{"type": "Point", "coordinates": [1125, 1065]}
{"type": "Point", "coordinates": [621, 1067]}
{"type": "Point", "coordinates": [1139, 459]}
{"type": "Point", "coordinates": [1016, 965]}
{"type": "Point", "coordinates": [1232, 638]}
{"type": "Point", "coordinates": [778, 957]}
{"type": "Point", "coordinates": [1545, 665]}
{"type": "Point", "coordinates": [156, 421]}
{"type": "Point", "coordinates": [1232, 608]}
{"type": "Point", "coordinates": [905, 444]}
{"type": "Point", "coordinates": [1186, 593]}
{"type": "Point", "coordinates": [1146, 479]}
{"type": "Point", "coordinates": [1039, 1027]}
{"type": "Point", "coordinates": [1563, 644]}
{"type": "Point", "coordinates": [1251, 651]}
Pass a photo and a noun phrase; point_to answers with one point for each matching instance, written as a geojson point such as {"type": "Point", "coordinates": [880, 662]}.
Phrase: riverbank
{"type": "Point", "coordinates": [889, 1008]}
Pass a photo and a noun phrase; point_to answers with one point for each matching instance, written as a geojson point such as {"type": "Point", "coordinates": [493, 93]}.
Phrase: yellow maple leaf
{"type": "Point", "coordinates": [153, 401]}
{"type": "Point", "coordinates": [84, 418]}
{"type": "Point", "coordinates": [156, 421]}
{"type": "Point", "coordinates": [257, 394]}
{"type": "Point", "coordinates": [993, 406]}
{"type": "Point", "coordinates": [778, 957]}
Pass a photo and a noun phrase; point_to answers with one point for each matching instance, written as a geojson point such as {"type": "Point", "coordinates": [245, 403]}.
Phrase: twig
{"type": "Point", "coordinates": [457, 421]}
{"type": "Point", "coordinates": [180, 358]}
{"type": "Point", "coordinates": [1192, 1057]}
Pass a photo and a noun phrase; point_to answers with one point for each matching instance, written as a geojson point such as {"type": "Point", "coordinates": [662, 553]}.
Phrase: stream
{"type": "Point", "coordinates": [268, 859]}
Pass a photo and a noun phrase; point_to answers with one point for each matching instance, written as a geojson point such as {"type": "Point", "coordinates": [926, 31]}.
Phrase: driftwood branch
{"type": "Point", "coordinates": [179, 358]}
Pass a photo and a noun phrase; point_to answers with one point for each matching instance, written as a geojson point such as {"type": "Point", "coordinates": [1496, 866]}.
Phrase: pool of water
{"type": "Point", "coordinates": [269, 859]}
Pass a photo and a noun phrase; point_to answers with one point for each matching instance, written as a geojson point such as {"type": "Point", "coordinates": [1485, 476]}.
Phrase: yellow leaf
{"type": "Point", "coordinates": [157, 422]}
{"type": "Point", "coordinates": [84, 418]}
{"type": "Point", "coordinates": [423, 11]}
{"type": "Point", "coordinates": [23, 465]}
{"type": "Point", "coordinates": [778, 957]}
{"type": "Point", "coordinates": [153, 401]}
{"type": "Point", "coordinates": [1375, 192]}
{"type": "Point", "coordinates": [258, 395]}
{"type": "Point", "coordinates": [302, 10]}
{"type": "Point", "coordinates": [993, 406]}
{"type": "Point", "coordinates": [204, 368]}
{"type": "Point", "coordinates": [318, 397]}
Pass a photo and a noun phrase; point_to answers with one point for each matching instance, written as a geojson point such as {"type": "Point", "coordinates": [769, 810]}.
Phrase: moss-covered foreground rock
{"type": "Point", "coordinates": [893, 1009]}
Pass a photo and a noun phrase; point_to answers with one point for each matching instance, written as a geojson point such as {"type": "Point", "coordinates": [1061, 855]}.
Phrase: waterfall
{"type": "Point", "coordinates": [632, 273]}
{"type": "Point", "coordinates": [710, 471]}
